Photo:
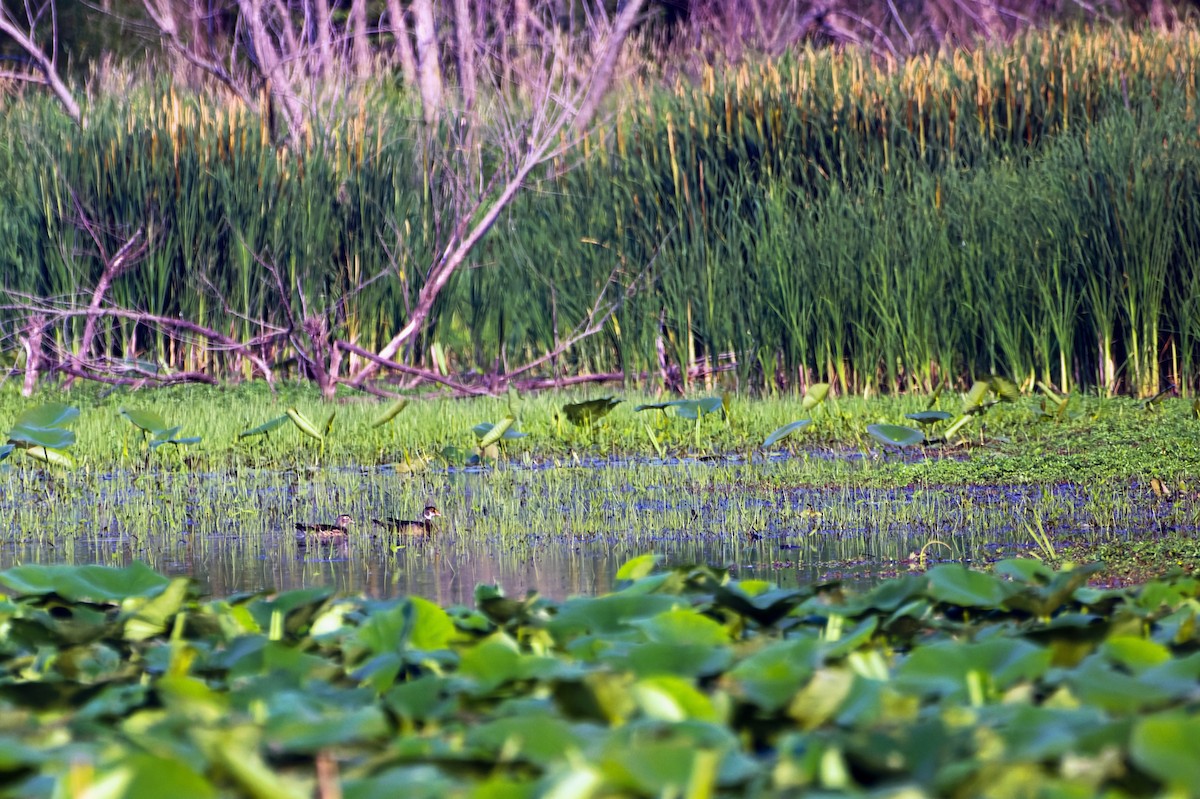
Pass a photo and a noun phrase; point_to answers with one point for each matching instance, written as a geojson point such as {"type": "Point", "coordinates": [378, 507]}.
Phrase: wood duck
{"type": "Point", "coordinates": [325, 533]}
{"type": "Point", "coordinates": [405, 527]}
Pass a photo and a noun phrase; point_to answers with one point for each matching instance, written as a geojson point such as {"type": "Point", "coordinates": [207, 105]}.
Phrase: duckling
{"type": "Point", "coordinates": [334, 533]}
{"type": "Point", "coordinates": [405, 527]}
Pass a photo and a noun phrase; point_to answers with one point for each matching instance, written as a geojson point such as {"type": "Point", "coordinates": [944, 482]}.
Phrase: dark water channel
{"type": "Point", "coordinates": [560, 530]}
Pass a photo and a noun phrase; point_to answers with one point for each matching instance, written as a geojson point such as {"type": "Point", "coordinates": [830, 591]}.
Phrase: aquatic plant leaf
{"type": "Point", "coordinates": [540, 739]}
{"type": "Point", "coordinates": [48, 416]}
{"type": "Point", "coordinates": [51, 438]}
{"type": "Point", "coordinates": [42, 426]}
{"type": "Point", "coordinates": [694, 409]}
{"type": "Point", "coordinates": [958, 585]}
{"type": "Point", "coordinates": [814, 395]}
{"type": "Point", "coordinates": [265, 427]}
{"type": "Point", "coordinates": [1164, 745]}
{"type": "Point", "coordinates": [169, 437]}
{"type": "Point", "coordinates": [295, 725]}
{"type": "Point", "coordinates": [672, 698]}
{"type": "Point", "coordinates": [1097, 683]}
{"type": "Point", "coordinates": [149, 617]}
{"type": "Point", "coordinates": [928, 417]}
{"type": "Point", "coordinates": [649, 757]}
{"type": "Point", "coordinates": [488, 434]}
{"type": "Point", "coordinates": [53, 457]}
{"type": "Point", "coordinates": [304, 424]}
{"type": "Point", "coordinates": [975, 396]}
{"type": "Point", "coordinates": [414, 620]}
{"type": "Point", "coordinates": [612, 613]}
{"type": "Point", "coordinates": [822, 698]}
{"type": "Point", "coordinates": [765, 606]}
{"type": "Point", "coordinates": [896, 435]}
{"type": "Point", "coordinates": [140, 775]}
{"type": "Point", "coordinates": [84, 583]}
{"type": "Point", "coordinates": [1005, 389]}
{"type": "Point", "coordinates": [770, 677]}
{"type": "Point", "coordinates": [1025, 570]}
{"type": "Point", "coordinates": [783, 432]}
{"type": "Point", "coordinates": [639, 567]}
{"type": "Point", "coordinates": [148, 421]}
{"type": "Point", "coordinates": [390, 413]}
{"type": "Point", "coordinates": [685, 660]}
{"type": "Point", "coordinates": [683, 626]}
{"type": "Point", "coordinates": [1135, 653]}
{"type": "Point", "coordinates": [588, 412]}
{"type": "Point", "coordinates": [492, 662]}
{"type": "Point", "coordinates": [945, 669]}
{"type": "Point", "coordinates": [686, 408]}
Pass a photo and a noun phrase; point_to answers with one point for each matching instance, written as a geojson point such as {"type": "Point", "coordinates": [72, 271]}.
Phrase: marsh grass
{"type": "Point", "coordinates": [224, 510]}
{"type": "Point", "coordinates": [820, 218]}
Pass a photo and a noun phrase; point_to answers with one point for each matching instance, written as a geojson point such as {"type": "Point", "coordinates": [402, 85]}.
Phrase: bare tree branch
{"type": "Point", "coordinates": [45, 62]}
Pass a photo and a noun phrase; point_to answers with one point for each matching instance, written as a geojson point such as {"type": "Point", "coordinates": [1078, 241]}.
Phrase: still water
{"type": "Point", "coordinates": [560, 530]}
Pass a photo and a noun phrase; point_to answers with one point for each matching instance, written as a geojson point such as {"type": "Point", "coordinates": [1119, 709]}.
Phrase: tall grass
{"type": "Point", "coordinates": [1028, 209]}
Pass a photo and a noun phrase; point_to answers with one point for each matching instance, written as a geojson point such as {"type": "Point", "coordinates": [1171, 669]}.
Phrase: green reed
{"type": "Point", "coordinates": [1026, 209]}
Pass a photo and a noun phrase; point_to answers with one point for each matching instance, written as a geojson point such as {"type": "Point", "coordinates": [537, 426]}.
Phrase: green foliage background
{"type": "Point", "coordinates": [1029, 209]}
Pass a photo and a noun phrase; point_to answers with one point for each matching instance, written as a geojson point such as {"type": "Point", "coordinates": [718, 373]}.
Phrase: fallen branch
{"type": "Point", "coordinates": [424, 374]}
{"type": "Point", "coordinates": [92, 371]}
{"type": "Point", "coordinates": [224, 343]}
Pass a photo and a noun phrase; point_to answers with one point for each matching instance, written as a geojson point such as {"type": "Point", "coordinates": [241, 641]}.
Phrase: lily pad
{"type": "Point", "coordinates": [896, 435]}
{"type": "Point", "coordinates": [783, 432]}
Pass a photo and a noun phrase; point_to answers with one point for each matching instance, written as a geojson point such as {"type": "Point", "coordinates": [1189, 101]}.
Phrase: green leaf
{"type": "Point", "coordinates": [896, 435]}
{"type": "Point", "coordinates": [489, 434]}
{"type": "Point", "coordinates": [814, 395]}
{"type": "Point", "coordinates": [151, 617]}
{"type": "Point", "coordinates": [685, 408]}
{"type": "Point", "coordinates": [304, 424]}
{"type": "Point", "coordinates": [928, 417]}
{"type": "Point", "coordinates": [84, 583]}
{"type": "Point", "coordinates": [297, 724]}
{"type": "Point", "coordinates": [945, 669]}
{"type": "Point", "coordinates": [957, 585]}
{"type": "Point", "coordinates": [683, 626]}
{"type": "Point", "coordinates": [1165, 746]}
{"type": "Point", "coordinates": [432, 627]}
{"type": "Point", "coordinates": [639, 567]}
{"type": "Point", "coordinates": [770, 677]}
{"type": "Point", "coordinates": [55, 438]}
{"type": "Point", "coordinates": [42, 427]}
{"type": "Point", "coordinates": [48, 416]}
{"type": "Point", "coordinates": [53, 457]}
{"type": "Point", "coordinates": [390, 413]}
{"type": "Point", "coordinates": [140, 775]}
{"type": "Point", "coordinates": [1135, 653]}
{"type": "Point", "coordinates": [975, 396]}
{"type": "Point", "coordinates": [783, 432]}
{"type": "Point", "coordinates": [694, 409]}
{"type": "Point", "coordinates": [673, 699]}
{"type": "Point", "coordinates": [539, 739]}
{"type": "Point", "coordinates": [1004, 388]}
{"type": "Point", "coordinates": [265, 427]}
{"type": "Point", "coordinates": [148, 421]}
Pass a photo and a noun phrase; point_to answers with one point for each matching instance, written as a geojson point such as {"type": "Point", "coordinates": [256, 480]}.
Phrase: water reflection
{"type": "Point", "coordinates": [560, 531]}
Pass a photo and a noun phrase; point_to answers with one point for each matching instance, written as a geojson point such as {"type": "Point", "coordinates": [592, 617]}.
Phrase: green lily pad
{"type": "Point", "coordinates": [785, 431]}
{"type": "Point", "coordinates": [896, 435]}
{"type": "Point", "coordinates": [85, 583]}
